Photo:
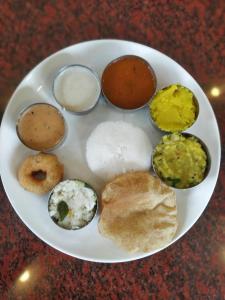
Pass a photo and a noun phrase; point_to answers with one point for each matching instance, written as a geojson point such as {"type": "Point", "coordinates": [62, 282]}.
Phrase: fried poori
{"type": "Point", "coordinates": [138, 212]}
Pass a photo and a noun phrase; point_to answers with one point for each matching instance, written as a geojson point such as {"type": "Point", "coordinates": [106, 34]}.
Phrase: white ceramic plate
{"type": "Point", "coordinates": [87, 243]}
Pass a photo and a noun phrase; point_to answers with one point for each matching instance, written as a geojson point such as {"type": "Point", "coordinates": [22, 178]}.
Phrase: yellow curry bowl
{"type": "Point", "coordinates": [174, 109]}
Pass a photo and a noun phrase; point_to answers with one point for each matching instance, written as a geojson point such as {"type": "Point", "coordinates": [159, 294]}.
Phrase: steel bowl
{"type": "Point", "coordinates": [208, 162]}
{"type": "Point", "coordinates": [127, 109]}
{"type": "Point", "coordinates": [60, 72]}
{"type": "Point", "coordinates": [155, 125]}
{"type": "Point", "coordinates": [95, 209]}
{"type": "Point", "coordinates": [44, 149]}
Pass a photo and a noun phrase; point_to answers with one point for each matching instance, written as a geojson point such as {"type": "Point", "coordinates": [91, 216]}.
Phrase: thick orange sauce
{"type": "Point", "coordinates": [41, 127]}
{"type": "Point", "coordinates": [128, 82]}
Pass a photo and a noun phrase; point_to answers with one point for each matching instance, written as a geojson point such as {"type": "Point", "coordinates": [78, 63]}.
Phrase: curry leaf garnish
{"type": "Point", "coordinates": [173, 181]}
{"type": "Point", "coordinates": [63, 210]}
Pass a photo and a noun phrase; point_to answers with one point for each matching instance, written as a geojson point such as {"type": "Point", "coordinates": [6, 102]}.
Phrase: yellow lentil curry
{"type": "Point", "coordinates": [180, 161]}
{"type": "Point", "coordinates": [173, 109]}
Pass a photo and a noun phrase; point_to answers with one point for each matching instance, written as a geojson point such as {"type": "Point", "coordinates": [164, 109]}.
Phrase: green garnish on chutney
{"type": "Point", "coordinates": [173, 181]}
{"type": "Point", "coordinates": [62, 209]}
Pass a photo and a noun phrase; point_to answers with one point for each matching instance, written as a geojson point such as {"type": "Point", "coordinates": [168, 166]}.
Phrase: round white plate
{"type": "Point", "coordinates": [87, 243]}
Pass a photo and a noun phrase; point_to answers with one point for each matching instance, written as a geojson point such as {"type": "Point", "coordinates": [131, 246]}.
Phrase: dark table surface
{"type": "Point", "coordinates": [193, 34]}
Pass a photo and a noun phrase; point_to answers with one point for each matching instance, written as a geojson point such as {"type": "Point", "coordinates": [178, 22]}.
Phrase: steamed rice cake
{"type": "Point", "coordinates": [138, 212]}
{"type": "Point", "coordinates": [114, 148]}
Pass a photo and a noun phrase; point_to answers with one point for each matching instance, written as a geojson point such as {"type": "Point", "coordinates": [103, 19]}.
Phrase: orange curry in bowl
{"type": "Point", "coordinates": [128, 82]}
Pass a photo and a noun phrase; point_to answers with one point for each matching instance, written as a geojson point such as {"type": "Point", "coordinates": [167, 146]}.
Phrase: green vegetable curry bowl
{"type": "Point", "coordinates": [181, 160]}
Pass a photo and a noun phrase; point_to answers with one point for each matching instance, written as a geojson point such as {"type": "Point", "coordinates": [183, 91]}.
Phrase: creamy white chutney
{"type": "Point", "coordinates": [77, 88]}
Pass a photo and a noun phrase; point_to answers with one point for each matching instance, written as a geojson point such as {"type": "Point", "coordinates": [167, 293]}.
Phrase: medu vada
{"type": "Point", "coordinates": [40, 173]}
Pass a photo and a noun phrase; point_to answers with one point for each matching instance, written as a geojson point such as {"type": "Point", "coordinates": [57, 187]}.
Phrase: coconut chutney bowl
{"type": "Point", "coordinates": [72, 204]}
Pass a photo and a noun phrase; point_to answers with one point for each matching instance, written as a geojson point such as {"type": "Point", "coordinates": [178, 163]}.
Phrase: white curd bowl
{"type": "Point", "coordinates": [76, 88]}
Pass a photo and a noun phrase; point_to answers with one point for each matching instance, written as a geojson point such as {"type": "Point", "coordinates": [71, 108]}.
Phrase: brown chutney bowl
{"type": "Point", "coordinates": [41, 127]}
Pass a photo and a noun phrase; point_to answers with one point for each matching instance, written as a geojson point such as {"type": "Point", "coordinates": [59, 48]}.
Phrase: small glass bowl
{"type": "Point", "coordinates": [46, 149]}
{"type": "Point", "coordinates": [98, 86]}
{"type": "Point", "coordinates": [169, 131]}
{"type": "Point", "coordinates": [208, 161]}
{"type": "Point", "coordinates": [56, 220]}
{"type": "Point", "coordinates": [152, 73]}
